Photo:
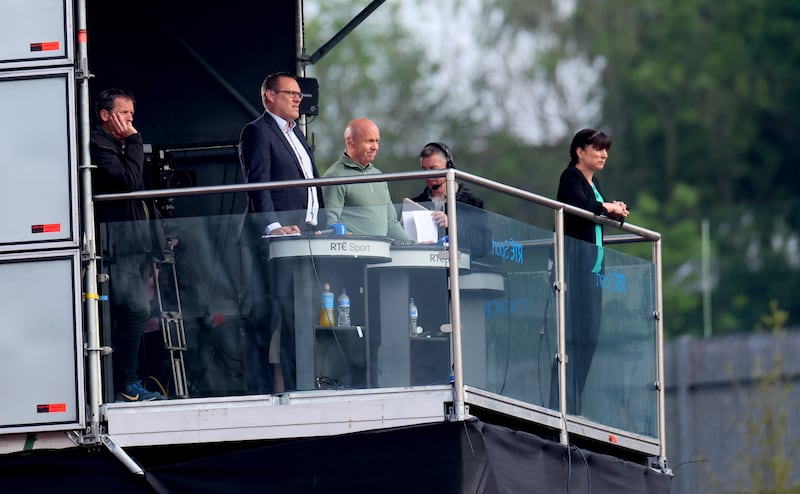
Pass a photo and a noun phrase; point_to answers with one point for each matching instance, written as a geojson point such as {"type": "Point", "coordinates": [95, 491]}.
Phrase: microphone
{"type": "Point", "coordinates": [334, 229]}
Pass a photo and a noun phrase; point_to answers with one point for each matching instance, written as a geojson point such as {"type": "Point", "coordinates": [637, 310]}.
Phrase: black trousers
{"type": "Point", "coordinates": [584, 304]}
{"type": "Point", "coordinates": [130, 311]}
{"type": "Point", "coordinates": [267, 307]}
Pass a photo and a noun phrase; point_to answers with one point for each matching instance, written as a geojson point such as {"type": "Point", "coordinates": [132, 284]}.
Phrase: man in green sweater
{"type": "Point", "coordinates": [366, 208]}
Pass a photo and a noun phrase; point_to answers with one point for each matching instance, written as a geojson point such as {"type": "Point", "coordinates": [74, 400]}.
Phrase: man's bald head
{"type": "Point", "coordinates": [361, 139]}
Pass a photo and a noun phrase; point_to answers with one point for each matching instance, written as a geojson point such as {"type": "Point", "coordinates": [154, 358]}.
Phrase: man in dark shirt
{"type": "Point", "coordinates": [473, 231]}
{"type": "Point", "coordinates": [117, 152]}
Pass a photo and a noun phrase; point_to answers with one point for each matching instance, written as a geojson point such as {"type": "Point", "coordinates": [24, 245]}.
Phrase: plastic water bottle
{"type": "Point", "coordinates": [413, 314]}
{"type": "Point", "coordinates": [326, 306]}
{"type": "Point", "coordinates": [343, 305]}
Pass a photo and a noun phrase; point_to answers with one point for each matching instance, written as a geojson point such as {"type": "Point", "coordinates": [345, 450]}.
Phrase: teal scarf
{"type": "Point", "coordinates": [598, 236]}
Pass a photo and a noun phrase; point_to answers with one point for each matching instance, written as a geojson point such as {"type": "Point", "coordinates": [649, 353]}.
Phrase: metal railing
{"type": "Point", "coordinates": [632, 233]}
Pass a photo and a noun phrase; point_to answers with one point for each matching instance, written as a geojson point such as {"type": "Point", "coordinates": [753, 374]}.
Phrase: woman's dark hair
{"type": "Point", "coordinates": [596, 138]}
{"type": "Point", "coordinates": [105, 100]}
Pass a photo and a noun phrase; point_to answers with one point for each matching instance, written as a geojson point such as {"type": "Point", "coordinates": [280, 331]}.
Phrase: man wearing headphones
{"type": "Point", "coordinates": [474, 233]}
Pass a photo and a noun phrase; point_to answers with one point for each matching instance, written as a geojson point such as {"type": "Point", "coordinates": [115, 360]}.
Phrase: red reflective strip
{"type": "Point", "coordinates": [46, 46]}
{"type": "Point", "coordinates": [46, 228]}
{"type": "Point", "coordinates": [82, 36]}
{"type": "Point", "coordinates": [51, 408]}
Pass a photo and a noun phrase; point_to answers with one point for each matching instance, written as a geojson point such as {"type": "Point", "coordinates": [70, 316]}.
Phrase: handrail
{"type": "Point", "coordinates": [386, 177]}
{"type": "Point", "coordinates": [633, 234]}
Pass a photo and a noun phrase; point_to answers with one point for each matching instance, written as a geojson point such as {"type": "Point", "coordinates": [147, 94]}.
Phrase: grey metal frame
{"type": "Point", "coordinates": [634, 234]}
{"type": "Point", "coordinates": [67, 236]}
{"type": "Point", "coordinates": [44, 60]}
{"type": "Point", "coordinates": [88, 250]}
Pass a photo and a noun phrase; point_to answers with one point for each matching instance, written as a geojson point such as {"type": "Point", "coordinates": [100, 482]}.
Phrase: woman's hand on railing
{"type": "Point", "coordinates": [616, 209]}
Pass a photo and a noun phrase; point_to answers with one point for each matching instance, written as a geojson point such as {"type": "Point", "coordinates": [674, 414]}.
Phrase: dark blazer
{"type": "Point", "coordinates": [266, 156]}
{"type": "Point", "coordinates": [574, 190]}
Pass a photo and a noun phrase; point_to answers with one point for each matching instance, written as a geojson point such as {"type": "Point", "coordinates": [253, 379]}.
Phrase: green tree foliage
{"type": "Point", "coordinates": [696, 91]}
{"type": "Point", "coordinates": [680, 256]}
{"type": "Point", "coordinates": [700, 97]}
{"type": "Point", "coordinates": [477, 95]}
{"type": "Point", "coordinates": [758, 263]}
{"type": "Point", "coordinates": [702, 93]}
{"type": "Point", "coordinates": [379, 71]}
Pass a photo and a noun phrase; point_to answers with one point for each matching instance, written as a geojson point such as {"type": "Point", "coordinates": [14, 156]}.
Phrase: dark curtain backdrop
{"type": "Point", "coordinates": [470, 457]}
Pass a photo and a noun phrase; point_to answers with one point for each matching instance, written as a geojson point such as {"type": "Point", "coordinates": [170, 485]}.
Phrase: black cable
{"type": "Point", "coordinates": [216, 267]}
{"type": "Point", "coordinates": [319, 286]}
{"type": "Point", "coordinates": [217, 263]}
{"type": "Point", "coordinates": [543, 335]}
{"type": "Point", "coordinates": [686, 463]}
{"type": "Point", "coordinates": [570, 447]}
{"type": "Point", "coordinates": [569, 468]}
{"type": "Point", "coordinates": [508, 347]}
{"type": "Point", "coordinates": [585, 462]}
{"type": "Point", "coordinates": [221, 357]}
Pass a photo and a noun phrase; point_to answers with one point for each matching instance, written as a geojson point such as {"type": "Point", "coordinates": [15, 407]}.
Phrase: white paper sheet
{"type": "Point", "coordinates": [418, 222]}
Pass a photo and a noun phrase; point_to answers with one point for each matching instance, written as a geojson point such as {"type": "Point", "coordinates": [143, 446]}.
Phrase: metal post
{"type": "Point", "coordinates": [300, 43]}
{"type": "Point", "coordinates": [705, 256]}
{"type": "Point", "coordinates": [459, 410]}
{"type": "Point", "coordinates": [300, 50]}
{"type": "Point", "coordinates": [121, 455]}
{"type": "Point", "coordinates": [659, 316]}
{"type": "Point", "coordinates": [561, 300]}
{"type": "Point", "coordinates": [90, 292]}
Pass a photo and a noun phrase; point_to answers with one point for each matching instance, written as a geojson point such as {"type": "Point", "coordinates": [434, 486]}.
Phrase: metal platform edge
{"type": "Point", "coordinates": [579, 426]}
{"type": "Point", "coordinates": [284, 416]}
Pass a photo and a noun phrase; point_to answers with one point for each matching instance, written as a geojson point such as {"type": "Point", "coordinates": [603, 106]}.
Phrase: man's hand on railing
{"type": "Point", "coordinates": [285, 230]}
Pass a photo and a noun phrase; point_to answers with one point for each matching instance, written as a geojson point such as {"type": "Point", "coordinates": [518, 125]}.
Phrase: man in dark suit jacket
{"type": "Point", "coordinates": [272, 148]}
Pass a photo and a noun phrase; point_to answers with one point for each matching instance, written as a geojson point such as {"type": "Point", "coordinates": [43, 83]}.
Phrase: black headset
{"type": "Point", "coordinates": [444, 149]}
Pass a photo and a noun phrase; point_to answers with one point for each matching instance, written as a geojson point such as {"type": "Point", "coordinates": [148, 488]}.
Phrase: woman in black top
{"type": "Point", "coordinates": [579, 187]}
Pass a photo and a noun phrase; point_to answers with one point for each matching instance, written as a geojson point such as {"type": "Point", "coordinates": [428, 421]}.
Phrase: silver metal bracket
{"type": "Point", "coordinates": [104, 350]}
{"type": "Point", "coordinates": [83, 437]}
{"type": "Point", "coordinates": [658, 464]}
{"type": "Point", "coordinates": [82, 70]}
{"type": "Point", "coordinates": [451, 415]}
